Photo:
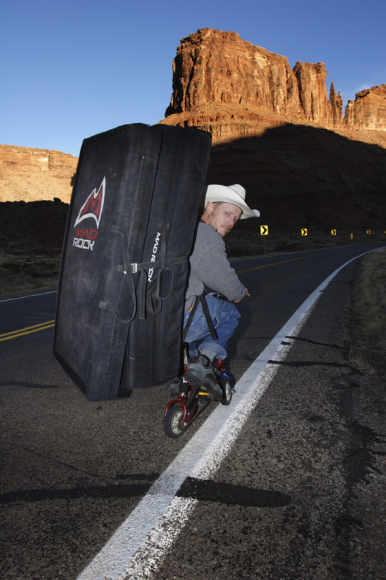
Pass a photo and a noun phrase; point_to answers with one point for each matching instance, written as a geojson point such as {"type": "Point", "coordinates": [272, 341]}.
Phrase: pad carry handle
{"type": "Point", "coordinates": [154, 302]}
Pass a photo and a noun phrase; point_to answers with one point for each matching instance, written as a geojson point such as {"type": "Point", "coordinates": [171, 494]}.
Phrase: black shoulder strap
{"type": "Point", "coordinates": [205, 310]}
{"type": "Point", "coordinates": [209, 322]}
{"type": "Point", "coordinates": [190, 319]}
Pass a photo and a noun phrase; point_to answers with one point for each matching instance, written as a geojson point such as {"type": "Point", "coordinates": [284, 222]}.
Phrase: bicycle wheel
{"type": "Point", "coordinates": [227, 391]}
{"type": "Point", "coordinates": [173, 422]}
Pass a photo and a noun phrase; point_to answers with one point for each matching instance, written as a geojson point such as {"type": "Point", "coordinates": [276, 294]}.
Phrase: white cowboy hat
{"type": "Point", "coordinates": [234, 194]}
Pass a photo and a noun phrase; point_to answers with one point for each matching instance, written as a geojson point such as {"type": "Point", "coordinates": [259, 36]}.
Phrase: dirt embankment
{"type": "Point", "coordinates": [31, 239]}
{"type": "Point", "coordinates": [367, 313]}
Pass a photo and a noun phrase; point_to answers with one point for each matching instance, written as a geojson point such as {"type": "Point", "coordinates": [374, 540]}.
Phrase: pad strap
{"type": "Point", "coordinates": [154, 302]}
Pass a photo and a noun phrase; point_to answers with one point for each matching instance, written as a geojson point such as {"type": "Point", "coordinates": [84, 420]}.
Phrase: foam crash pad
{"type": "Point", "coordinates": [124, 267]}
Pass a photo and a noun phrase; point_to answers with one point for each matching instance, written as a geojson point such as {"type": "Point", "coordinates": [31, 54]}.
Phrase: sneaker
{"type": "Point", "coordinates": [200, 374]}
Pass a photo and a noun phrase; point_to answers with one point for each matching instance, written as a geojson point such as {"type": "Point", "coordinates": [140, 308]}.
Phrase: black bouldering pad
{"type": "Point", "coordinates": [124, 265]}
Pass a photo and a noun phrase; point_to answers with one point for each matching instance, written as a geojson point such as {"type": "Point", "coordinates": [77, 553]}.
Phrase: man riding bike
{"type": "Point", "coordinates": [211, 273]}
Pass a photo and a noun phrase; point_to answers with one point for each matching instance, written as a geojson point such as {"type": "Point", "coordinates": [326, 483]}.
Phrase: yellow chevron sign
{"type": "Point", "coordinates": [304, 231]}
{"type": "Point", "coordinates": [264, 230]}
{"type": "Point", "coordinates": [333, 232]}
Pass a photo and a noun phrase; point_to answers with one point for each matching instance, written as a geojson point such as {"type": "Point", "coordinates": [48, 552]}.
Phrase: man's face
{"type": "Point", "coordinates": [222, 216]}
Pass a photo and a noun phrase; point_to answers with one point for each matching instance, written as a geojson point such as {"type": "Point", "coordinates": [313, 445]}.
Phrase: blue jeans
{"type": "Point", "coordinates": [224, 316]}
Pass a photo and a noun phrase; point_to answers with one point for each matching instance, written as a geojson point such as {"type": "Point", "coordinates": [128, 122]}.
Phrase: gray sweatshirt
{"type": "Point", "coordinates": [209, 265]}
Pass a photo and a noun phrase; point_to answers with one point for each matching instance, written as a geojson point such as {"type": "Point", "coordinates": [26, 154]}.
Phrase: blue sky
{"type": "Point", "coordinates": [74, 68]}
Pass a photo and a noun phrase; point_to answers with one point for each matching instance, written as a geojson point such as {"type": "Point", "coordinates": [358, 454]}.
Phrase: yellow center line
{"type": "Point", "coordinates": [268, 265]}
{"type": "Point", "coordinates": [274, 264]}
{"type": "Point", "coordinates": [27, 330]}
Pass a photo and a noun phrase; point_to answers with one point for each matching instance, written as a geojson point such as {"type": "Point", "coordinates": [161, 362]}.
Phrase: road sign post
{"type": "Point", "coordinates": [264, 232]}
{"type": "Point", "coordinates": [304, 233]}
{"type": "Point", "coordinates": [333, 233]}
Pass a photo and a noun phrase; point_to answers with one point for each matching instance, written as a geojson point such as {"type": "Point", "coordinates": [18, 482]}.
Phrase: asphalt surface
{"type": "Point", "coordinates": [72, 471]}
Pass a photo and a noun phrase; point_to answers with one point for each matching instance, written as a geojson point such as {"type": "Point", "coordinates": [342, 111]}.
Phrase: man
{"type": "Point", "coordinates": [210, 271]}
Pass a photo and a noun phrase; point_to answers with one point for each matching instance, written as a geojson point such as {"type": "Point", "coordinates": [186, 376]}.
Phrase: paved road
{"type": "Point", "coordinates": [74, 470]}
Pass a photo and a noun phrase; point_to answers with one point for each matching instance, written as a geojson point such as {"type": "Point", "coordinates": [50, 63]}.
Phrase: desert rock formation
{"type": "Point", "coordinates": [35, 174]}
{"type": "Point", "coordinates": [232, 88]}
{"type": "Point", "coordinates": [278, 132]}
{"type": "Point", "coordinates": [368, 111]}
{"type": "Point", "coordinates": [218, 67]}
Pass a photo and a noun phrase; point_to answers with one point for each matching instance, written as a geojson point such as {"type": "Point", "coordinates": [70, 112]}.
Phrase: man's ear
{"type": "Point", "coordinates": [209, 206]}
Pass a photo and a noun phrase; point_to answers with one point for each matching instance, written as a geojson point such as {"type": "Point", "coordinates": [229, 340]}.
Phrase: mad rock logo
{"type": "Point", "coordinates": [153, 256]}
{"type": "Point", "coordinates": [91, 209]}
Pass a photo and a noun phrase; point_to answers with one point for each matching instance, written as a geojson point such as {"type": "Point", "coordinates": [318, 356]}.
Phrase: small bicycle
{"type": "Point", "coordinates": [182, 410]}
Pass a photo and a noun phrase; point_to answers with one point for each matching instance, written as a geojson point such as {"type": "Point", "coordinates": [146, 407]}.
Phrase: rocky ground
{"type": "Point", "coordinates": [31, 238]}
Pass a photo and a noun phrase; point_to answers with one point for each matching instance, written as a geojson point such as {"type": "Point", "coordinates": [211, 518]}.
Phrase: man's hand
{"type": "Point", "coordinates": [246, 294]}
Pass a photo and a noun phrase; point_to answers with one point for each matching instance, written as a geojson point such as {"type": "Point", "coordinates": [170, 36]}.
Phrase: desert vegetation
{"type": "Point", "coordinates": [20, 274]}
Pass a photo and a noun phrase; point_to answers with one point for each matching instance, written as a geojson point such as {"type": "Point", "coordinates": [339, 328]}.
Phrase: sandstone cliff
{"type": "Point", "coordinates": [219, 68]}
{"type": "Point", "coordinates": [368, 111]}
{"type": "Point", "coordinates": [35, 174]}
{"type": "Point", "coordinates": [233, 89]}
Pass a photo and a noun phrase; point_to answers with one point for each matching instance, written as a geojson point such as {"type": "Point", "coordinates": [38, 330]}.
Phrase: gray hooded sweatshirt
{"type": "Point", "coordinates": [210, 266]}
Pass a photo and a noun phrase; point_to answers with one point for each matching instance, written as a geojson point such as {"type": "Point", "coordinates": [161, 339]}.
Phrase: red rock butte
{"type": "Point", "coordinates": [234, 89]}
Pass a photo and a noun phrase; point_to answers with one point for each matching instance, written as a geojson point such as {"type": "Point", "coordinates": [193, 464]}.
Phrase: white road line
{"type": "Point", "coordinates": [141, 543]}
{"type": "Point", "coordinates": [29, 296]}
